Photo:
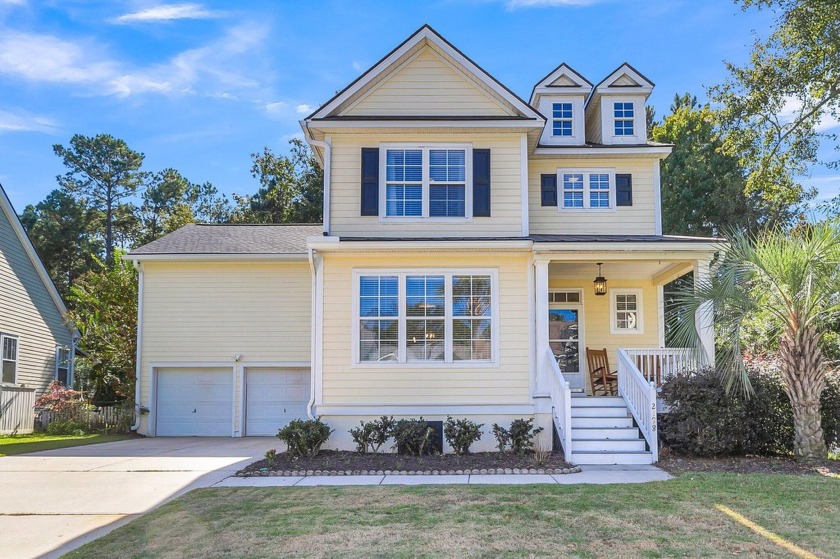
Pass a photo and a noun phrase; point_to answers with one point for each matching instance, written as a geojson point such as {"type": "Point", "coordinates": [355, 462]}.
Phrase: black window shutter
{"type": "Point", "coordinates": [481, 183]}
{"type": "Point", "coordinates": [370, 181]}
{"type": "Point", "coordinates": [548, 190]}
{"type": "Point", "coordinates": [623, 190]}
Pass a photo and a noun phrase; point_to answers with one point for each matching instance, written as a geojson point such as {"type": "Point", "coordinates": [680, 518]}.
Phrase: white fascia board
{"type": "Point", "coordinates": [29, 248]}
{"type": "Point", "coordinates": [425, 33]}
{"type": "Point", "coordinates": [625, 151]}
{"type": "Point", "coordinates": [302, 257]}
{"type": "Point", "coordinates": [629, 250]}
{"type": "Point", "coordinates": [408, 244]}
{"type": "Point", "coordinates": [443, 123]}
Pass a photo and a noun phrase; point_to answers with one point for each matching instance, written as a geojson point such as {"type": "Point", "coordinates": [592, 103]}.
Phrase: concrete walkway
{"type": "Point", "coordinates": [598, 475]}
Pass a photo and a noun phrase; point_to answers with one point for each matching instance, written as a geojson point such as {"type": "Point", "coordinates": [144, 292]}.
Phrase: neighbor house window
{"type": "Point", "coordinates": [62, 365]}
{"type": "Point", "coordinates": [586, 188]}
{"type": "Point", "coordinates": [626, 311]}
{"type": "Point", "coordinates": [561, 119]}
{"type": "Point", "coordinates": [623, 114]}
{"type": "Point", "coordinates": [440, 317]}
{"type": "Point", "coordinates": [9, 358]}
{"type": "Point", "coordinates": [427, 181]}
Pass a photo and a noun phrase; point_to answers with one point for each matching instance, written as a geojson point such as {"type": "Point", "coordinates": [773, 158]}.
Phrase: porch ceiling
{"type": "Point", "coordinates": [658, 271]}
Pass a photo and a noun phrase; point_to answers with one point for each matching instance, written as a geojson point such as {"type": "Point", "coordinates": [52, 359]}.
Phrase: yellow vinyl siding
{"type": "Point", "coordinates": [28, 311]}
{"type": "Point", "coordinates": [426, 85]}
{"type": "Point", "coordinates": [506, 191]}
{"type": "Point", "coordinates": [593, 123]}
{"type": "Point", "coordinates": [508, 383]}
{"type": "Point", "coordinates": [205, 312]}
{"type": "Point", "coordinates": [597, 320]}
{"type": "Point", "coordinates": [637, 219]}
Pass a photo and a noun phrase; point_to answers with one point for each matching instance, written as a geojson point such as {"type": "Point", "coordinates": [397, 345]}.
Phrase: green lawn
{"type": "Point", "coordinates": [21, 444]}
{"type": "Point", "coordinates": [676, 518]}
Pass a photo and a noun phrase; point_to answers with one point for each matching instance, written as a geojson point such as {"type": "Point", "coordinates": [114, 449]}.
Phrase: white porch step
{"type": "Point", "coordinates": [597, 458]}
{"type": "Point", "coordinates": [598, 402]}
{"type": "Point", "coordinates": [607, 445]}
{"type": "Point", "coordinates": [599, 411]}
{"type": "Point", "coordinates": [605, 433]}
{"type": "Point", "coordinates": [602, 422]}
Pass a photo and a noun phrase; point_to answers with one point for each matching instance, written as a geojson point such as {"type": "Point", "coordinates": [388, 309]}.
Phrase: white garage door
{"type": "Point", "coordinates": [273, 397]}
{"type": "Point", "coordinates": [194, 402]}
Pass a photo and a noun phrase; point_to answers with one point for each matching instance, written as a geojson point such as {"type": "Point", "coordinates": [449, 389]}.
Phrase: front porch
{"type": "Point", "coordinates": [627, 319]}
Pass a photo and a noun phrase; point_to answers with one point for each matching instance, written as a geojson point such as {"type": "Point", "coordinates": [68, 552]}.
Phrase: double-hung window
{"type": "Point", "coordinates": [623, 119]}
{"type": "Point", "coordinates": [426, 317]}
{"type": "Point", "coordinates": [9, 358]}
{"type": "Point", "coordinates": [561, 124]}
{"type": "Point", "coordinates": [426, 181]}
{"type": "Point", "coordinates": [62, 365]}
{"type": "Point", "coordinates": [592, 189]}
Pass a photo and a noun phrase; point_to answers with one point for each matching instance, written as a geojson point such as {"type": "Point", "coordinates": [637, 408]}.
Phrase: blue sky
{"type": "Point", "coordinates": [199, 86]}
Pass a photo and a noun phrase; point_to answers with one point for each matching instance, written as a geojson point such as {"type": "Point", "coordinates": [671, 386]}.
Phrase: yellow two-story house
{"type": "Point", "coordinates": [478, 254]}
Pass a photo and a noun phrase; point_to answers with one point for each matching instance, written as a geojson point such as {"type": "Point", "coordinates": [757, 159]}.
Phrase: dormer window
{"type": "Point", "coordinates": [562, 119]}
{"type": "Point", "coordinates": [623, 113]}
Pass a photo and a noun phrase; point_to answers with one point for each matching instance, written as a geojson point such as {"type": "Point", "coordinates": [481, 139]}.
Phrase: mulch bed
{"type": "Point", "coordinates": [340, 462]}
{"type": "Point", "coordinates": [751, 465]}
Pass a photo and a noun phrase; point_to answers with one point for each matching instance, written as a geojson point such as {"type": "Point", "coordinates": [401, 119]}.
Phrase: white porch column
{"type": "Point", "coordinates": [541, 330]}
{"type": "Point", "coordinates": [704, 318]}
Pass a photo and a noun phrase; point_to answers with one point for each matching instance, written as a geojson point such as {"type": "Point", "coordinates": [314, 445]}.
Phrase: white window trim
{"type": "Point", "coordinates": [17, 356]}
{"type": "Point", "coordinates": [640, 323]}
{"type": "Point", "coordinates": [69, 350]}
{"type": "Point", "coordinates": [424, 218]}
{"type": "Point", "coordinates": [570, 120]}
{"type": "Point", "coordinates": [586, 172]}
{"type": "Point", "coordinates": [608, 118]}
{"type": "Point", "coordinates": [401, 273]}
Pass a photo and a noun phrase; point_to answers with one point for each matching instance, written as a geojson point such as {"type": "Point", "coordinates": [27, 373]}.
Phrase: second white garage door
{"type": "Point", "coordinates": [194, 402]}
{"type": "Point", "coordinates": [273, 397]}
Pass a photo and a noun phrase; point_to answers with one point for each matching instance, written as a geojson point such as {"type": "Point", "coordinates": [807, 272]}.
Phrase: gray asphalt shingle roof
{"type": "Point", "coordinates": [232, 239]}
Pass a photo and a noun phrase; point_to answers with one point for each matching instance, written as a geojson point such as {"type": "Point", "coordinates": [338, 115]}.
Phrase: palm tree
{"type": "Point", "coordinates": [794, 278]}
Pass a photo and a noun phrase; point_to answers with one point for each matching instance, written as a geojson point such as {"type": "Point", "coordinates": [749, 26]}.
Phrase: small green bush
{"type": "Point", "coordinates": [304, 437]}
{"type": "Point", "coordinates": [413, 437]}
{"type": "Point", "coordinates": [371, 435]}
{"type": "Point", "coordinates": [703, 420]}
{"type": "Point", "coordinates": [68, 427]}
{"type": "Point", "coordinates": [461, 434]}
{"type": "Point", "coordinates": [271, 457]}
{"type": "Point", "coordinates": [520, 436]}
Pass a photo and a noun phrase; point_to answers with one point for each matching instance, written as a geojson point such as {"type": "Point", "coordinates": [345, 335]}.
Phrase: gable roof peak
{"type": "Point", "coordinates": [562, 79]}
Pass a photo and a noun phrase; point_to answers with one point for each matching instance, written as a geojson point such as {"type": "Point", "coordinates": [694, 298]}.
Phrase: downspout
{"type": "Point", "coordinates": [327, 164]}
{"type": "Point", "coordinates": [313, 354]}
{"type": "Point", "coordinates": [139, 267]}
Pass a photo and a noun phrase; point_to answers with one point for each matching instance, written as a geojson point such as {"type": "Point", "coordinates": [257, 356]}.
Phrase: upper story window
{"type": "Point", "coordinates": [623, 114]}
{"type": "Point", "coordinates": [561, 119]}
{"type": "Point", "coordinates": [426, 181]}
{"type": "Point", "coordinates": [9, 358]}
{"type": "Point", "coordinates": [592, 189]}
{"type": "Point", "coordinates": [426, 318]}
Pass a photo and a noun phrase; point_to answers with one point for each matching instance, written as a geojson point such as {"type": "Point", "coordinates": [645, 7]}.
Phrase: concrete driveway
{"type": "Point", "coordinates": [54, 501]}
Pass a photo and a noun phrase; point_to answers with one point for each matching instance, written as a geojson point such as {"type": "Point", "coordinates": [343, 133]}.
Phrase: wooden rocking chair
{"type": "Point", "coordinates": [604, 381]}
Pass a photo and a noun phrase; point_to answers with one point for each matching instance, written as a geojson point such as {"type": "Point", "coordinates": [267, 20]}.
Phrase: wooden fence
{"type": "Point", "coordinates": [17, 410]}
{"type": "Point", "coordinates": [106, 418]}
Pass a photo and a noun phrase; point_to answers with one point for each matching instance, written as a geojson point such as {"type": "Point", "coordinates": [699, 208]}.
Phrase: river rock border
{"type": "Point", "coordinates": [490, 471]}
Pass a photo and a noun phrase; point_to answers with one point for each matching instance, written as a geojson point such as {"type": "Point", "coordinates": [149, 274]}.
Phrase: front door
{"type": "Point", "coordinates": [565, 330]}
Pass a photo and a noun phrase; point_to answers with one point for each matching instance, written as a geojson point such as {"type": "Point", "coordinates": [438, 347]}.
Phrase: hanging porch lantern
{"type": "Point", "coordinates": [600, 282]}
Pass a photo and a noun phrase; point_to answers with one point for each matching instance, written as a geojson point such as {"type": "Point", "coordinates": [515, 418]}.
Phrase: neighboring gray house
{"type": "Point", "coordinates": [36, 339]}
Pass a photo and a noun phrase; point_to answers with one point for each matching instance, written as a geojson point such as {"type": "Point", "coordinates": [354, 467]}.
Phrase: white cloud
{"type": "Point", "coordinates": [277, 108]}
{"type": "Point", "coordinates": [167, 12]}
{"type": "Point", "coordinates": [793, 106]}
{"type": "Point", "coordinates": [357, 66]}
{"type": "Point", "coordinates": [11, 122]}
{"type": "Point", "coordinates": [516, 4]}
{"type": "Point", "coordinates": [46, 58]}
{"type": "Point", "coordinates": [303, 109]}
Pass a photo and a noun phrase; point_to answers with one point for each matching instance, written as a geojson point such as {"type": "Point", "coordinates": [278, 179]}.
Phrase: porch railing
{"type": "Point", "coordinates": [658, 364]}
{"type": "Point", "coordinates": [561, 402]}
{"type": "Point", "coordinates": [640, 396]}
{"type": "Point", "coordinates": [17, 410]}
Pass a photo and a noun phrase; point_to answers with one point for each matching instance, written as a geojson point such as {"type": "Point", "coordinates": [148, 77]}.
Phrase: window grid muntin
{"type": "Point", "coordinates": [9, 349]}
{"type": "Point", "coordinates": [626, 311]}
{"type": "Point", "coordinates": [62, 365]}
{"type": "Point", "coordinates": [564, 296]}
{"type": "Point", "coordinates": [623, 113]}
{"type": "Point", "coordinates": [576, 192]}
{"type": "Point", "coordinates": [472, 321]}
{"type": "Point", "coordinates": [425, 311]}
{"type": "Point", "coordinates": [403, 182]}
{"type": "Point", "coordinates": [379, 318]}
{"type": "Point", "coordinates": [561, 124]}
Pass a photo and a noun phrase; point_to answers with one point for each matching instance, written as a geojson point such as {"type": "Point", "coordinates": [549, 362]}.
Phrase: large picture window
{"type": "Point", "coordinates": [427, 181]}
{"type": "Point", "coordinates": [586, 189]}
{"type": "Point", "coordinates": [419, 317]}
{"type": "Point", "coordinates": [9, 358]}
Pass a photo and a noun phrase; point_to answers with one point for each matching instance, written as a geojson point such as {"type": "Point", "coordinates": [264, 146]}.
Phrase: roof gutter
{"type": "Point", "coordinates": [327, 166]}
{"type": "Point", "coordinates": [137, 257]}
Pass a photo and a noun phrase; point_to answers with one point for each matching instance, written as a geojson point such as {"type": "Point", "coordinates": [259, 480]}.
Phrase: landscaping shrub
{"type": "Point", "coordinates": [461, 434]}
{"type": "Point", "coordinates": [520, 436]}
{"type": "Point", "coordinates": [703, 420]}
{"type": "Point", "coordinates": [372, 434]}
{"type": "Point", "coordinates": [66, 427]}
{"type": "Point", "coordinates": [304, 437]}
{"type": "Point", "coordinates": [271, 457]}
{"type": "Point", "coordinates": [413, 437]}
